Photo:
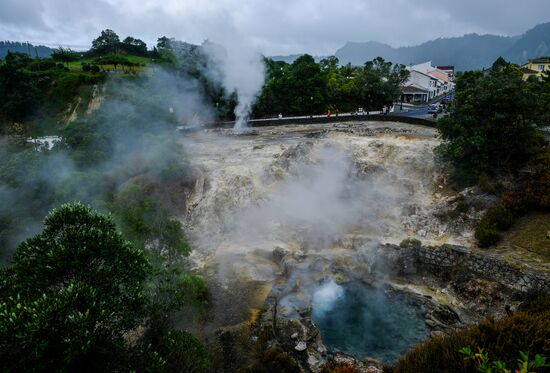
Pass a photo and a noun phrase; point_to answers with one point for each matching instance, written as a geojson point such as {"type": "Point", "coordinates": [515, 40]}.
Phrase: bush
{"type": "Point", "coordinates": [42, 65]}
{"type": "Point", "coordinates": [333, 367]}
{"type": "Point", "coordinates": [410, 242]}
{"type": "Point", "coordinates": [497, 218]}
{"type": "Point", "coordinates": [86, 67]}
{"type": "Point", "coordinates": [184, 353]}
{"type": "Point", "coordinates": [273, 360]}
{"type": "Point", "coordinates": [500, 216]}
{"type": "Point", "coordinates": [94, 68]}
{"type": "Point", "coordinates": [486, 235]}
{"type": "Point", "coordinates": [503, 340]}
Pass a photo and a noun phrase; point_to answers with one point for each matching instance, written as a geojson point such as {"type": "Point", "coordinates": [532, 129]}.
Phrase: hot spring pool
{"type": "Point", "coordinates": [362, 321]}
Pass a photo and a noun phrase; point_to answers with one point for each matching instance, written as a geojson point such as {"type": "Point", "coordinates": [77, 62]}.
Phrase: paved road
{"type": "Point", "coordinates": [418, 111]}
{"type": "Point", "coordinates": [334, 116]}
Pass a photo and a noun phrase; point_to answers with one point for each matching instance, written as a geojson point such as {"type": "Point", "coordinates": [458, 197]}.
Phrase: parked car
{"type": "Point", "coordinates": [435, 109]}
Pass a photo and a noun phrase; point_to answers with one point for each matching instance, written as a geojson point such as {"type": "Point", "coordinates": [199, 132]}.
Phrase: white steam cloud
{"type": "Point", "coordinates": [326, 295]}
{"type": "Point", "coordinates": [241, 70]}
{"type": "Point", "coordinates": [319, 203]}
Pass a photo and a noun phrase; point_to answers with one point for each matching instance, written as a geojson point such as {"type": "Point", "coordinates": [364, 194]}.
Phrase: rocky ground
{"type": "Point", "coordinates": [279, 208]}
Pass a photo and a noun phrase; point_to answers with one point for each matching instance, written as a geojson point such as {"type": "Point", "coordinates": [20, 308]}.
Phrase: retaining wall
{"type": "Point", "coordinates": [449, 260]}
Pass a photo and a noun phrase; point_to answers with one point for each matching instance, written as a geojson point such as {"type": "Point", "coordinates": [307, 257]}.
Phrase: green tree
{"type": "Point", "coordinates": [72, 294]}
{"type": "Point", "coordinates": [307, 86]}
{"type": "Point", "coordinates": [491, 124]}
{"type": "Point", "coordinates": [64, 55]}
{"type": "Point", "coordinates": [19, 93]}
{"type": "Point", "coordinates": [146, 221]}
{"type": "Point", "coordinates": [378, 83]}
{"type": "Point", "coordinates": [107, 42]}
{"type": "Point", "coordinates": [164, 42]}
{"type": "Point", "coordinates": [134, 46]}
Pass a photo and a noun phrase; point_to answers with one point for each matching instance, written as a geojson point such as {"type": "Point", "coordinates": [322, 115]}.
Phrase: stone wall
{"type": "Point", "coordinates": [447, 259]}
{"type": "Point", "coordinates": [333, 119]}
{"type": "Point", "coordinates": [447, 262]}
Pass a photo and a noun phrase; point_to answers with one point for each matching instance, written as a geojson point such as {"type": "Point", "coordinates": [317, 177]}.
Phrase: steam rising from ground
{"type": "Point", "coordinates": [241, 70]}
{"type": "Point", "coordinates": [131, 135]}
{"type": "Point", "coordinates": [255, 195]}
{"type": "Point", "coordinates": [321, 200]}
{"type": "Point", "coordinates": [326, 295]}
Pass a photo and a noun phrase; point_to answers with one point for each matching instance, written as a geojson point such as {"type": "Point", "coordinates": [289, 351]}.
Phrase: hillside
{"type": "Point", "coordinates": [534, 43]}
{"type": "Point", "coordinates": [33, 50]}
{"type": "Point", "coordinates": [468, 52]}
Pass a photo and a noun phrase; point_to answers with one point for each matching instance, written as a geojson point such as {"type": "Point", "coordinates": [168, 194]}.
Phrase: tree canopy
{"type": "Point", "coordinates": [71, 294]}
{"type": "Point", "coordinates": [107, 42]}
{"type": "Point", "coordinates": [492, 123]}
{"type": "Point", "coordinates": [307, 87]}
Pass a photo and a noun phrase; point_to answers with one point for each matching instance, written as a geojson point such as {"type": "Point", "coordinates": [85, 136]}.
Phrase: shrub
{"type": "Point", "coordinates": [183, 353]}
{"type": "Point", "coordinates": [334, 367]}
{"type": "Point", "coordinates": [497, 218]}
{"type": "Point", "coordinates": [503, 340]}
{"type": "Point", "coordinates": [273, 360]}
{"type": "Point", "coordinates": [500, 216]}
{"type": "Point", "coordinates": [410, 242]}
{"type": "Point", "coordinates": [486, 235]}
{"type": "Point", "coordinates": [41, 65]}
{"type": "Point", "coordinates": [86, 67]}
{"type": "Point", "coordinates": [94, 68]}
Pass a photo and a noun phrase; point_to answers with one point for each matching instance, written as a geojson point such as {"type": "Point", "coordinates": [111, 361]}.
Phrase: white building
{"type": "Point", "coordinates": [419, 87]}
{"type": "Point", "coordinates": [425, 83]}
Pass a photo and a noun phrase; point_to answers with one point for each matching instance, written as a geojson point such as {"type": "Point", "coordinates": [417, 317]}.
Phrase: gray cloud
{"type": "Point", "coordinates": [273, 27]}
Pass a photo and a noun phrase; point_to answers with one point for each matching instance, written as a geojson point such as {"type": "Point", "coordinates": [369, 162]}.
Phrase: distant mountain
{"type": "Point", "coordinates": [291, 58]}
{"type": "Point", "coordinates": [534, 43]}
{"type": "Point", "coordinates": [33, 50]}
{"type": "Point", "coordinates": [465, 53]}
{"type": "Point", "coordinates": [468, 52]}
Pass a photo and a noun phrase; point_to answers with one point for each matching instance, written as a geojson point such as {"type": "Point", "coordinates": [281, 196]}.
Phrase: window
{"type": "Point", "coordinates": [541, 67]}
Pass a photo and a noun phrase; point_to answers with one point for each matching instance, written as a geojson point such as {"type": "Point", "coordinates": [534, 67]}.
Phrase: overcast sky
{"type": "Point", "coordinates": [272, 26]}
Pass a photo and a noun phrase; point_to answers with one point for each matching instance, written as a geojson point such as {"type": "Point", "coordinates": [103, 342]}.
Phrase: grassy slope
{"type": "Point", "coordinates": [77, 65]}
{"type": "Point", "coordinates": [529, 234]}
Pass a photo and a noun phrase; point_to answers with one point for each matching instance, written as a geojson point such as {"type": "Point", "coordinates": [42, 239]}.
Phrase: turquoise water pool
{"type": "Point", "coordinates": [363, 321]}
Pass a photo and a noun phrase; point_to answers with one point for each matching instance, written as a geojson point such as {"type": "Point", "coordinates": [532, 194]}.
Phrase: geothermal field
{"type": "Point", "coordinates": [323, 228]}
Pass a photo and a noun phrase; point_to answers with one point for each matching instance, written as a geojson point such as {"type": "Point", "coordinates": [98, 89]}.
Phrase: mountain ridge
{"type": "Point", "coordinates": [468, 52]}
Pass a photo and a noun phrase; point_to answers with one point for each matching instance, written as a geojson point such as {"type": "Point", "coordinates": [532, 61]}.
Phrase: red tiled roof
{"type": "Point", "coordinates": [439, 75]}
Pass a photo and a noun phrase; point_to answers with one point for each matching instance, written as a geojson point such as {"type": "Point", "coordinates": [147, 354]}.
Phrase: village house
{"type": "Point", "coordinates": [449, 70]}
{"type": "Point", "coordinates": [425, 83]}
{"type": "Point", "coordinates": [444, 84]}
{"type": "Point", "coordinates": [536, 67]}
